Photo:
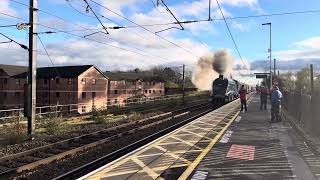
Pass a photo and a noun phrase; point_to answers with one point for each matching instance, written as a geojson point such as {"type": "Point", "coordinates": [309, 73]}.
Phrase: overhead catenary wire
{"type": "Point", "coordinates": [96, 16]}
{"type": "Point", "coordinates": [231, 36]}
{"type": "Point", "coordinates": [87, 29]}
{"type": "Point", "coordinates": [143, 27]}
{"type": "Point", "coordinates": [12, 40]}
{"type": "Point", "coordinates": [142, 37]}
{"type": "Point", "coordinates": [47, 53]}
{"type": "Point", "coordinates": [220, 19]}
{"type": "Point", "coordinates": [74, 8]}
{"type": "Point", "coordinates": [195, 36]}
{"type": "Point", "coordinates": [171, 13]}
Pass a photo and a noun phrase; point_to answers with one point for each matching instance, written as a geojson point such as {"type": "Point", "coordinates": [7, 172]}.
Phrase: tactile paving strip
{"type": "Point", "coordinates": [175, 150]}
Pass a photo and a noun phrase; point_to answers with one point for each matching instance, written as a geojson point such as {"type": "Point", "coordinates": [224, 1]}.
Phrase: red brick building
{"type": "Point", "coordinates": [126, 85]}
{"type": "Point", "coordinates": [83, 87]}
{"type": "Point", "coordinates": [11, 89]}
{"type": "Point", "coordinates": [79, 88]}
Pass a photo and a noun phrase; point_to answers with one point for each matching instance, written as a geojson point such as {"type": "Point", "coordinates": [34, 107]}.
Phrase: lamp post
{"type": "Point", "coordinates": [270, 55]}
{"type": "Point", "coordinates": [274, 67]}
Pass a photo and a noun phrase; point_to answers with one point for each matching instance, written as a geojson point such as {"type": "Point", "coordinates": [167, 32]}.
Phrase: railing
{"type": "Point", "coordinates": [304, 109]}
{"type": "Point", "coordinates": [77, 108]}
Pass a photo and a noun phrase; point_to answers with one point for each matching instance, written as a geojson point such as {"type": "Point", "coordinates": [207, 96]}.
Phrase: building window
{"type": "Point", "coordinates": [17, 94]}
{"type": "Point", "coordinates": [57, 94]}
{"type": "Point", "coordinates": [57, 80]}
{"type": "Point", "coordinates": [4, 94]}
{"type": "Point", "coordinates": [115, 101]}
{"type": "Point", "coordinates": [17, 81]}
{"type": "Point", "coordinates": [83, 95]}
{"type": "Point", "coordinates": [146, 91]}
{"type": "Point", "coordinates": [83, 80]}
{"type": "Point", "coordinates": [154, 91]}
{"type": "Point", "coordinates": [93, 94]}
{"type": "Point", "coordinates": [93, 81]}
{"type": "Point", "coordinates": [69, 81]}
{"type": "Point", "coordinates": [45, 81]}
{"type": "Point", "coordinates": [5, 81]}
{"type": "Point", "coordinates": [83, 109]}
{"type": "Point", "coordinates": [160, 91]}
{"type": "Point", "coordinates": [150, 91]}
{"type": "Point", "coordinates": [115, 91]}
{"type": "Point", "coordinates": [153, 83]}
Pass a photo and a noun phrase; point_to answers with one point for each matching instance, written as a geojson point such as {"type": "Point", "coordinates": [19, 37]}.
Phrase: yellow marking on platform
{"type": "Point", "coordinates": [172, 154]}
{"type": "Point", "coordinates": [146, 169]}
{"type": "Point", "coordinates": [188, 143]}
{"type": "Point", "coordinates": [209, 123]}
{"type": "Point", "coordinates": [195, 163]}
{"type": "Point", "coordinates": [199, 135]}
{"type": "Point", "coordinates": [199, 127]}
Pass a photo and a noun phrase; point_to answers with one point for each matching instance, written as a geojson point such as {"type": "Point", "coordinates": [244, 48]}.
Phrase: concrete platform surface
{"type": "Point", "coordinates": [170, 155]}
{"type": "Point", "coordinates": [223, 144]}
{"type": "Point", "coordinates": [254, 148]}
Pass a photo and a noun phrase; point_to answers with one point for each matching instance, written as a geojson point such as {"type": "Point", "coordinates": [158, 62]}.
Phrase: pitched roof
{"type": "Point", "coordinates": [60, 71]}
{"type": "Point", "coordinates": [12, 70]}
{"type": "Point", "coordinates": [132, 76]}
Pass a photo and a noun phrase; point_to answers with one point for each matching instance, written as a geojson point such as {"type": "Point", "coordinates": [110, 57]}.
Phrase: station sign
{"type": "Point", "coordinates": [261, 76]}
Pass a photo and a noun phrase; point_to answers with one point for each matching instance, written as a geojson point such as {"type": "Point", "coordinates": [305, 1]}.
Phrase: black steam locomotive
{"type": "Point", "coordinates": [224, 90]}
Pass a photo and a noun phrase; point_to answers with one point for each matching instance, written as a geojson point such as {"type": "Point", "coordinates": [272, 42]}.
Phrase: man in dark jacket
{"type": "Point", "coordinates": [243, 98]}
{"type": "Point", "coordinates": [263, 98]}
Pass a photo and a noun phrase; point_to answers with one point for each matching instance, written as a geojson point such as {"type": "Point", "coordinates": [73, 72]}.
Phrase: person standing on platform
{"type": "Point", "coordinates": [276, 97]}
{"type": "Point", "coordinates": [243, 98]}
{"type": "Point", "coordinates": [263, 98]}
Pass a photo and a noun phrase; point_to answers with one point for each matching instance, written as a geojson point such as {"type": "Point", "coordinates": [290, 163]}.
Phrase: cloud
{"type": "Point", "coordinates": [313, 43]}
{"type": "Point", "coordinates": [75, 51]}
{"type": "Point", "coordinates": [305, 49]}
{"type": "Point", "coordinates": [5, 8]}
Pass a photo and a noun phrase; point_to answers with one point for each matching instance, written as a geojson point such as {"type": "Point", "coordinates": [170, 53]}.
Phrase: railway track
{"type": "Point", "coordinates": [27, 160]}
{"type": "Point", "coordinates": [93, 165]}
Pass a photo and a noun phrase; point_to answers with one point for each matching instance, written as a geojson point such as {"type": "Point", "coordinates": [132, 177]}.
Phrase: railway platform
{"type": "Point", "coordinates": [223, 144]}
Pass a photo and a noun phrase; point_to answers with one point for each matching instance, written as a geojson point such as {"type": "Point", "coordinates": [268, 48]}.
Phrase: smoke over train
{"type": "Point", "coordinates": [211, 73]}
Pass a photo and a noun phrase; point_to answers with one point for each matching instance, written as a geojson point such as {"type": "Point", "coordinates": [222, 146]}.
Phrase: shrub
{"type": "Point", "coordinates": [15, 133]}
{"type": "Point", "coordinates": [53, 123]}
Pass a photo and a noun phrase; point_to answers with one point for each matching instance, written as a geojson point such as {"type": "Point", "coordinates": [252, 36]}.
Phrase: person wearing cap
{"type": "Point", "coordinates": [276, 97]}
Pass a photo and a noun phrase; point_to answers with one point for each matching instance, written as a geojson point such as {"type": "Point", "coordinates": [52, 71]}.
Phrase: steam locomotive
{"type": "Point", "coordinates": [224, 90]}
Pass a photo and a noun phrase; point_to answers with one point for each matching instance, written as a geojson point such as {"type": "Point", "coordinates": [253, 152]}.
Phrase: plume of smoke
{"type": "Point", "coordinates": [210, 66]}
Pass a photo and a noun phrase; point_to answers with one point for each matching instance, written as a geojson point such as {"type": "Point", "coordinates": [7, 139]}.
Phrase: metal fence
{"type": "Point", "coordinates": [68, 109]}
{"type": "Point", "coordinates": [304, 109]}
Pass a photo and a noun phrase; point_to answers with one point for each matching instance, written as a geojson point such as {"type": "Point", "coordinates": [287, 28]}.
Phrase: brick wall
{"type": "Point", "coordinates": [119, 91]}
{"type": "Point", "coordinates": [92, 90]}
{"type": "Point", "coordinates": [11, 92]}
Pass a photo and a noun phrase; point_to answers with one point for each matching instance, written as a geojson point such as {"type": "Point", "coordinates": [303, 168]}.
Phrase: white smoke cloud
{"type": "Point", "coordinates": [210, 66]}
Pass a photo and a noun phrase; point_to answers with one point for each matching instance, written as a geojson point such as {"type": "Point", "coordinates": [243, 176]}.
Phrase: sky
{"type": "Point", "coordinates": [294, 37]}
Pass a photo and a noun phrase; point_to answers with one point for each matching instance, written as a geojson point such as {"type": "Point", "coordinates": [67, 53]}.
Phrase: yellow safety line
{"type": "Point", "coordinates": [201, 136]}
{"type": "Point", "coordinates": [188, 143]}
{"type": "Point", "coordinates": [146, 169]}
{"type": "Point", "coordinates": [172, 154]}
{"type": "Point", "coordinates": [195, 163]}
